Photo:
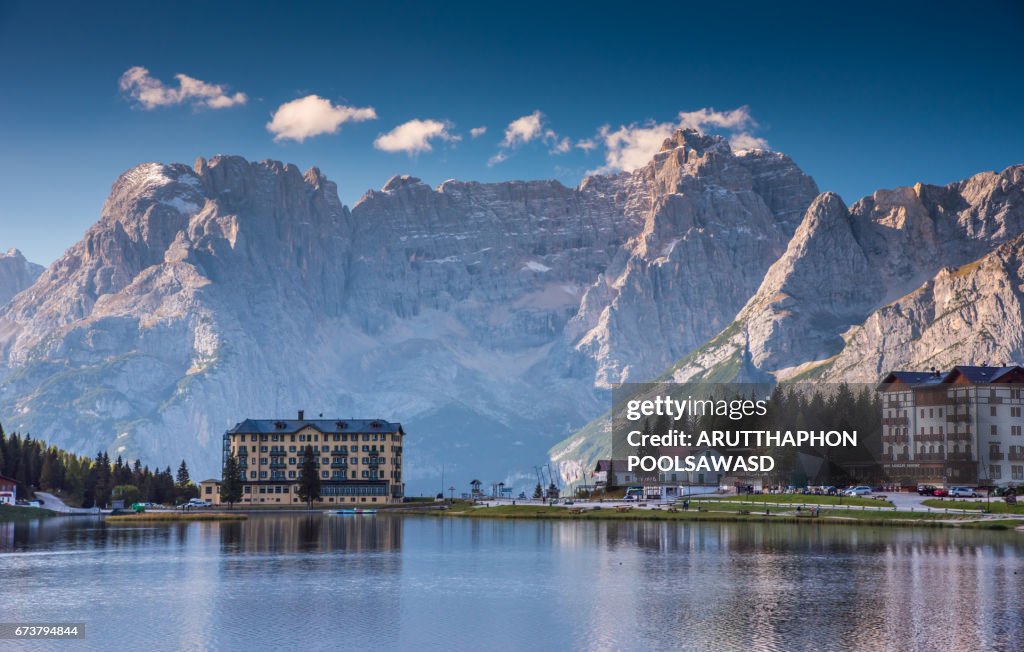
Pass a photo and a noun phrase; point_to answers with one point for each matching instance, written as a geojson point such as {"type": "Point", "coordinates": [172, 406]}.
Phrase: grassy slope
{"type": "Point", "coordinates": [9, 513]}
{"type": "Point", "coordinates": [996, 506]}
{"type": "Point", "coordinates": [730, 514]}
{"type": "Point", "coordinates": [797, 499]}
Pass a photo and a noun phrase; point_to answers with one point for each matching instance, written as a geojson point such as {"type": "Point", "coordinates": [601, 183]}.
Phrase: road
{"type": "Point", "coordinates": [54, 503]}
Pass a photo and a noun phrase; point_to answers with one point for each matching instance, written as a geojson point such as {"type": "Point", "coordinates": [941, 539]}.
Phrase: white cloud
{"type": "Point", "coordinates": [522, 130]}
{"type": "Point", "coordinates": [747, 141]}
{"type": "Point", "coordinates": [149, 92]}
{"type": "Point", "coordinates": [556, 145]}
{"type": "Point", "coordinates": [313, 115]}
{"type": "Point", "coordinates": [632, 146]}
{"type": "Point", "coordinates": [476, 132]}
{"type": "Point", "coordinates": [414, 136]}
{"type": "Point", "coordinates": [586, 144]}
{"type": "Point", "coordinates": [526, 129]}
{"type": "Point", "coordinates": [737, 119]}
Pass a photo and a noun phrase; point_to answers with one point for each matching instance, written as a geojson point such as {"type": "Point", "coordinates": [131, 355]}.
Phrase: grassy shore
{"type": "Point", "coordinates": [801, 499]}
{"type": "Point", "coordinates": [173, 517]}
{"type": "Point", "coordinates": [995, 506]}
{"type": "Point", "coordinates": [730, 514]}
{"type": "Point", "coordinates": [9, 513]}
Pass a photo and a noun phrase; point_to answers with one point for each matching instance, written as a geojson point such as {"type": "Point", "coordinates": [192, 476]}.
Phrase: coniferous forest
{"type": "Point", "coordinates": [88, 482]}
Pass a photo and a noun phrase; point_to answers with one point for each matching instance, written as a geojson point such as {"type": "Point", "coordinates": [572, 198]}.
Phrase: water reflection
{"type": "Point", "coordinates": [386, 582]}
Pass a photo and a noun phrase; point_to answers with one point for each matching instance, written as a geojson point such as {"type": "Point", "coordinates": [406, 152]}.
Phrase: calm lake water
{"type": "Point", "coordinates": [298, 582]}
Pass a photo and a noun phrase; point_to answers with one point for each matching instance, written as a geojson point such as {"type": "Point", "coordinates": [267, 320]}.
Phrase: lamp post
{"type": "Point", "coordinates": [451, 493]}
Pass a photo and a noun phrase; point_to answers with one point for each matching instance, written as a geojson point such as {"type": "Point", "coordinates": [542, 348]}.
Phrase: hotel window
{"type": "Point", "coordinates": [247, 489]}
{"type": "Point", "coordinates": [922, 413]}
{"type": "Point", "coordinates": [263, 460]}
{"type": "Point", "coordinates": [325, 474]}
{"type": "Point", "coordinates": [995, 472]}
{"type": "Point", "coordinates": [263, 474]}
{"type": "Point", "coordinates": [940, 413]}
{"type": "Point", "coordinates": [1017, 472]}
{"type": "Point", "coordinates": [1015, 412]}
{"type": "Point", "coordinates": [325, 448]}
{"type": "Point", "coordinates": [1015, 431]}
{"type": "Point", "coordinates": [253, 437]}
{"type": "Point", "coordinates": [302, 437]}
{"type": "Point", "coordinates": [291, 460]}
{"type": "Point", "coordinates": [325, 460]}
{"type": "Point", "coordinates": [994, 429]}
{"type": "Point", "coordinates": [993, 411]}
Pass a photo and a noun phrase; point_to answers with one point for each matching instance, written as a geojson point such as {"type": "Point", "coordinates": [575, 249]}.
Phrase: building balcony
{"type": "Point", "coordinates": [277, 465]}
{"type": "Point", "coordinates": [959, 457]}
{"type": "Point", "coordinates": [930, 436]}
{"type": "Point", "coordinates": [895, 439]}
{"type": "Point", "coordinates": [996, 456]}
{"type": "Point", "coordinates": [958, 418]}
{"type": "Point", "coordinates": [894, 421]}
{"type": "Point", "coordinates": [959, 436]}
{"type": "Point", "coordinates": [901, 458]}
{"type": "Point", "coordinates": [1016, 457]}
{"type": "Point", "coordinates": [339, 465]}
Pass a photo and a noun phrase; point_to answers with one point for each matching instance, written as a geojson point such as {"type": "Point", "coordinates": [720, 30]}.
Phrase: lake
{"type": "Point", "coordinates": [311, 582]}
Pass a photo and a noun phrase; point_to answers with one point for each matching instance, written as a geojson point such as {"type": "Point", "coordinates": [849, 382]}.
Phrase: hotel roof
{"type": "Point", "coordinates": [977, 375]}
{"type": "Point", "coordinates": [327, 426]}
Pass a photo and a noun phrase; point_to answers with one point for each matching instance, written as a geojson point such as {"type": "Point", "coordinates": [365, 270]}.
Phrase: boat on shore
{"type": "Point", "coordinates": [355, 511]}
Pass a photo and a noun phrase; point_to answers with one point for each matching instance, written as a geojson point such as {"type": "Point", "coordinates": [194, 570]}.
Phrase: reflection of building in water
{"type": "Point", "coordinates": [288, 533]}
{"type": "Point", "coordinates": [959, 427]}
{"type": "Point", "coordinates": [359, 460]}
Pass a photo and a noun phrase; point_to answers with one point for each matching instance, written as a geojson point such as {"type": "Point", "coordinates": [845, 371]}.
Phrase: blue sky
{"type": "Point", "coordinates": [865, 96]}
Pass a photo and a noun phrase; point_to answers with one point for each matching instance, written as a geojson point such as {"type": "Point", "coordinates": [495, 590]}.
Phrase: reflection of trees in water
{"type": "Point", "coordinates": [316, 532]}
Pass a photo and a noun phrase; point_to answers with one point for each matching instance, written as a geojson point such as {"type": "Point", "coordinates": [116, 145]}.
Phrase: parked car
{"type": "Point", "coordinates": [940, 492]}
{"type": "Point", "coordinates": [926, 489]}
{"type": "Point", "coordinates": [194, 503]}
{"type": "Point", "coordinates": [963, 492]}
{"type": "Point", "coordinates": [862, 490]}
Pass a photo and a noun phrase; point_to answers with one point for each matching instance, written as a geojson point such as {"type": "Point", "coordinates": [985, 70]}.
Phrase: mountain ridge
{"type": "Point", "coordinates": [488, 317]}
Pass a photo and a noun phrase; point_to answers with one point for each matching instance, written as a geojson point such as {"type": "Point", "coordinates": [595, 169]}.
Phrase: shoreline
{"type": "Point", "coordinates": [892, 518]}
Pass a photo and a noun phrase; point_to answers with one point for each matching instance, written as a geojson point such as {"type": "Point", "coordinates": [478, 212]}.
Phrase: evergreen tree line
{"type": "Point", "coordinates": [88, 482]}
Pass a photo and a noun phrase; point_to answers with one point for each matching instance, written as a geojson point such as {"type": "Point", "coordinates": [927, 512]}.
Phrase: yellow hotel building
{"type": "Point", "coordinates": [359, 460]}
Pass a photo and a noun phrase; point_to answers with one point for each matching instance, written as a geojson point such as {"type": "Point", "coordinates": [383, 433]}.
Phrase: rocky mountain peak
{"type": "Point", "coordinates": [400, 181]}
{"type": "Point", "coordinates": [694, 140]}
{"type": "Point", "coordinates": [16, 274]}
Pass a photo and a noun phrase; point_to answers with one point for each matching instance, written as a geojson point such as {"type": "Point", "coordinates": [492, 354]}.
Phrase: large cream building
{"type": "Point", "coordinates": [359, 460]}
{"type": "Point", "coordinates": [961, 427]}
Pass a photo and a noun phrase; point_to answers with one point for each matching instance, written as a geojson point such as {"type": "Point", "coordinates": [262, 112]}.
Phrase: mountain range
{"type": "Point", "coordinates": [490, 319]}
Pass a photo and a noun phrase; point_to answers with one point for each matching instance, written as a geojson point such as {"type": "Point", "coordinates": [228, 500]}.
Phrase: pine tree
{"type": "Point", "coordinates": [538, 492]}
{"type": "Point", "coordinates": [183, 478]}
{"type": "Point", "coordinates": [231, 482]}
{"type": "Point", "coordinates": [309, 480]}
